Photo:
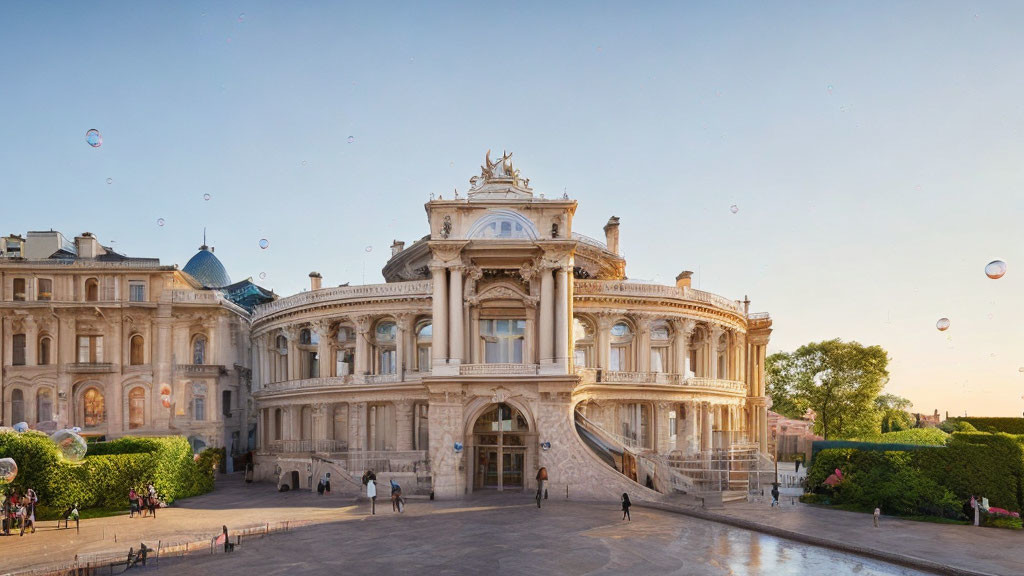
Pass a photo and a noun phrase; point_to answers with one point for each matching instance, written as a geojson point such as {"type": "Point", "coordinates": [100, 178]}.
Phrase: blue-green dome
{"type": "Point", "coordinates": [207, 269]}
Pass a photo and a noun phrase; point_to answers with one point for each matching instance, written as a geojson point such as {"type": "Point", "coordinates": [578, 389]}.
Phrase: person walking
{"type": "Point", "coordinates": [397, 502]}
{"type": "Point", "coordinates": [133, 502]}
{"type": "Point", "coordinates": [371, 493]}
{"type": "Point", "coordinates": [878, 512]}
{"type": "Point", "coordinates": [27, 516]}
{"type": "Point", "coordinates": [542, 477]}
{"type": "Point", "coordinates": [327, 483]}
{"type": "Point", "coordinates": [625, 507]}
{"type": "Point", "coordinates": [775, 494]}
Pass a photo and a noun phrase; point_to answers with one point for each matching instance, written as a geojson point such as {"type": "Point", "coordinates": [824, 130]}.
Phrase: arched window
{"type": "Point", "coordinates": [44, 405]}
{"type": "Point", "coordinates": [385, 337]}
{"type": "Point", "coordinates": [279, 359]}
{"type": "Point", "coordinates": [94, 408]}
{"type": "Point", "coordinates": [17, 406]}
{"type": "Point", "coordinates": [723, 357]}
{"type": "Point", "coordinates": [305, 337]}
{"type": "Point", "coordinates": [583, 348]}
{"type": "Point", "coordinates": [198, 401]}
{"type": "Point", "coordinates": [344, 354]}
{"type": "Point", "coordinates": [199, 349]}
{"type": "Point", "coordinates": [278, 423]}
{"type": "Point", "coordinates": [18, 345]}
{"type": "Point", "coordinates": [661, 341]}
{"type": "Point", "coordinates": [622, 348]}
{"type": "Point", "coordinates": [504, 224]}
{"type": "Point", "coordinates": [137, 407]}
{"type": "Point", "coordinates": [136, 353]}
{"type": "Point", "coordinates": [45, 344]}
{"type": "Point", "coordinates": [424, 340]}
{"type": "Point", "coordinates": [92, 290]}
{"type": "Point", "coordinates": [309, 355]}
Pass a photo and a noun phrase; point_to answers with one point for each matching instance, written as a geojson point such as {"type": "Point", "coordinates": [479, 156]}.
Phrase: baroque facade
{"type": "Point", "coordinates": [114, 345]}
{"type": "Point", "coordinates": [502, 342]}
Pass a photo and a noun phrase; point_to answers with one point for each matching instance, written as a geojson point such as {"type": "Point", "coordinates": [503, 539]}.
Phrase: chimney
{"type": "Point", "coordinates": [683, 280]}
{"type": "Point", "coordinates": [396, 247]}
{"type": "Point", "coordinates": [746, 305]}
{"type": "Point", "coordinates": [314, 280]}
{"type": "Point", "coordinates": [87, 246]}
{"type": "Point", "coordinates": [611, 234]}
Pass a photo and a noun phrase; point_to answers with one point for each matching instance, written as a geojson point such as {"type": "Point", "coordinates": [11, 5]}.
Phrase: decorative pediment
{"type": "Point", "coordinates": [501, 291]}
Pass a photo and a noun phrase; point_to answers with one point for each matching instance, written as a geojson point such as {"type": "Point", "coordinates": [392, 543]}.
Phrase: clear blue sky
{"type": "Point", "coordinates": [874, 150]}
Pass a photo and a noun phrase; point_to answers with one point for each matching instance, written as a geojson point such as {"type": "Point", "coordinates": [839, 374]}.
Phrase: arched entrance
{"type": "Point", "coordinates": [500, 449]}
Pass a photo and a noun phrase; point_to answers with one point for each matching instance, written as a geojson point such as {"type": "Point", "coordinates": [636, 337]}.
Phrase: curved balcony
{"type": "Point", "coordinates": [391, 290]}
{"type": "Point", "coordinates": [498, 370]}
{"type": "Point", "coordinates": [644, 290]}
{"type": "Point", "coordinates": [599, 376]}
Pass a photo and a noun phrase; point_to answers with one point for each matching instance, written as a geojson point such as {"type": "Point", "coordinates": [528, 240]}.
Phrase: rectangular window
{"type": "Point", "coordinates": [225, 402]}
{"type": "Point", "coordinates": [617, 362]}
{"type": "Point", "coordinates": [672, 423]}
{"type": "Point", "coordinates": [137, 291]}
{"type": "Point", "coordinates": [199, 411]}
{"type": "Point", "coordinates": [44, 289]}
{"type": "Point", "coordinates": [388, 360]}
{"type": "Point", "coordinates": [424, 359]}
{"type": "Point", "coordinates": [503, 340]}
{"type": "Point", "coordinates": [19, 289]}
{"type": "Point", "coordinates": [659, 359]}
{"type": "Point", "coordinates": [18, 343]}
{"type": "Point", "coordinates": [90, 349]}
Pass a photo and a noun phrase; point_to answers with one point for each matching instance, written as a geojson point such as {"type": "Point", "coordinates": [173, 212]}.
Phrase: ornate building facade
{"type": "Point", "coordinates": [118, 345]}
{"type": "Point", "coordinates": [502, 342]}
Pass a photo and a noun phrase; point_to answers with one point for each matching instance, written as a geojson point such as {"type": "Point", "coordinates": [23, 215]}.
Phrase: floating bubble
{"type": "Point", "coordinates": [995, 269]}
{"type": "Point", "coordinates": [369, 248]}
{"type": "Point", "coordinates": [451, 164]}
{"type": "Point", "coordinates": [8, 470]}
{"type": "Point", "coordinates": [942, 324]}
{"type": "Point", "coordinates": [94, 138]}
{"type": "Point", "coordinates": [241, 17]}
{"type": "Point", "coordinates": [351, 139]}
{"type": "Point", "coordinates": [734, 208]}
{"type": "Point", "coordinates": [110, 180]}
{"type": "Point", "coordinates": [71, 445]}
{"type": "Point", "coordinates": [829, 88]}
{"type": "Point", "coordinates": [263, 275]}
{"type": "Point", "coordinates": [264, 243]}
{"type": "Point", "coordinates": [303, 162]}
{"type": "Point", "coordinates": [207, 197]}
{"type": "Point", "coordinates": [159, 221]}
{"type": "Point", "coordinates": [76, 429]}
{"type": "Point", "coordinates": [21, 427]}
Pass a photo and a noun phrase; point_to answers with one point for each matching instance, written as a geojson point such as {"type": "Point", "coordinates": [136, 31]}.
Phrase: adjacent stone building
{"type": "Point", "coordinates": [117, 345]}
{"type": "Point", "coordinates": [502, 342]}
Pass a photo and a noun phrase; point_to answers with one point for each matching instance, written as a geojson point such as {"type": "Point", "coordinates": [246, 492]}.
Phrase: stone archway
{"type": "Point", "coordinates": [500, 448]}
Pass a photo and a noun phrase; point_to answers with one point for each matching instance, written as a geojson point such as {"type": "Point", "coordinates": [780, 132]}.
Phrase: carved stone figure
{"type": "Point", "coordinates": [446, 226]}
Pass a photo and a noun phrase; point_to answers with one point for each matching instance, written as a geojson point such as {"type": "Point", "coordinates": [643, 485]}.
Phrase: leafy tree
{"type": "Point", "coordinates": [894, 413]}
{"type": "Point", "coordinates": [838, 380]}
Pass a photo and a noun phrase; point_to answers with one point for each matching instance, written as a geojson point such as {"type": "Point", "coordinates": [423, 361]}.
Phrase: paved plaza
{"type": "Point", "coordinates": [506, 532]}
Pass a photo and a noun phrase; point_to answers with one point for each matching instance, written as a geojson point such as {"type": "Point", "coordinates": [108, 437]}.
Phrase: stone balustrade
{"type": "Point", "coordinates": [417, 288]}
{"type": "Point", "coordinates": [308, 383]}
{"type": "Point", "coordinates": [498, 370]}
{"type": "Point", "coordinates": [200, 370]}
{"type": "Point", "coordinates": [644, 290]}
{"type": "Point", "coordinates": [89, 367]}
{"type": "Point", "coordinates": [594, 376]}
{"type": "Point", "coordinates": [381, 379]}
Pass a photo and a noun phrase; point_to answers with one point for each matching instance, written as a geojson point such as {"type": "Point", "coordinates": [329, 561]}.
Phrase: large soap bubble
{"type": "Point", "coordinates": [8, 470]}
{"type": "Point", "coordinates": [21, 427]}
{"type": "Point", "coordinates": [70, 444]}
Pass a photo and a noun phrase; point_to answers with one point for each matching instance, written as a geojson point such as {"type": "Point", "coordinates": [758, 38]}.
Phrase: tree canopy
{"type": "Point", "coordinates": [840, 381]}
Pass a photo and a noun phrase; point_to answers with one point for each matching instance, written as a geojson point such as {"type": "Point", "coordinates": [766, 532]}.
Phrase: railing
{"type": "Point", "coordinates": [596, 375]}
{"type": "Point", "coordinates": [381, 378]}
{"type": "Point", "coordinates": [498, 369]}
{"type": "Point", "coordinates": [308, 383]}
{"type": "Point", "coordinates": [630, 444]}
{"type": "Point", "coordinates": [758, 316]}
{"type": "Point", "coordinates": [179, 296]}
{"type": "Point", "coordinates": [383, 461]}
{"type": "Point", "coordinates": [640, 289]}
{"type": "Point", "coordinates": [200, 369]}
{"type": "Point", "coordinates": [417, 288]}
{"type": "Point", "coordinates": [324, 446]}
{"type": "Point", "coordinates": [588, 240]}
{"type": "Point", "coordinates": [90, 367]}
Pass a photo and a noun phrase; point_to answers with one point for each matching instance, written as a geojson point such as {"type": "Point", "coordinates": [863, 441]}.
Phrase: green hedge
{"type": "Point", "coordinates": [933, 481]}
{"type": "Point", "coordinates": [103, 478]}
{"type": "Point", "coordinates": [920, 436]}
{"type": "Point", "coordinates": [1008, 425]}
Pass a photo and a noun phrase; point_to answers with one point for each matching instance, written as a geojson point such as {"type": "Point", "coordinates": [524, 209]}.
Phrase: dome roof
{"type": "Point", "coordinates": [207, 269]}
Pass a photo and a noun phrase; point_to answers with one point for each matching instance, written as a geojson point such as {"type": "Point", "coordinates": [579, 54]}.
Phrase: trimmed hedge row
{"type": "Point", "coordinates": [1008, 425]}
{"type": "Point", "coordinates": [934, 481]}
{"type": "Point", "coordinates": [103, 478]}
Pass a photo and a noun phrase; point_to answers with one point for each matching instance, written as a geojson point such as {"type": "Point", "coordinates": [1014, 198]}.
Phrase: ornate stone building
{"type": "Point", "coordinates": [501, 342]}
{"type": "Point", "coordinates": [117, 345]}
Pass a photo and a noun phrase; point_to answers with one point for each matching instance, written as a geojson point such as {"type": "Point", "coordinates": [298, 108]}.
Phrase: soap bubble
{"type": "Point", "coordinates": [76, 429]}
{"type": "Point", "coordinates": [207, 197]}
{"type": "Point", "coordinates": [264, 243]}
{"type": "Point", "coordinates": [303, 162]}
{"type": "Point", "coordinates": [8, 470]}
{"type": "Point", "coordinates": [995, 269]}
{"type": "Point", "coordinates": [71, 445]}
{"type": "Point", "coordinates": [734, 208]}
{"type": "Point", "coordinates": [263, 275]}
{"type": "Point", "coordinates": [351, 139]}
{"type": "Point", "coordinates": [451, 164]}
{"type": "Point", "coordinates": [94, 138]}
{"type": "Point", "coordinates": [159, 221]}
{"type": "Point", "coordinates": [942, 324]}
{"type": "Point", "coordinates": [369, 248]}
{"type": "Point", "coordinates": [110, 180]}
{"type": "Point", "coordinates": [21, 427]}
{"type": "Point", "coordinates": [241, 17]}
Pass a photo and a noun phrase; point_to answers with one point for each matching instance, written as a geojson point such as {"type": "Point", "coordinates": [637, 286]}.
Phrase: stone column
{"type": "Point", "coordinates": [762, 414]}
{"type": "Point", "coordinates": [602, 340]}
{"type": "Point", "coordinates": [562, 324]}
{"type": "Point", "coordinates": [705, 431]}
{"type": "Point", "coordinates": [692, 430]}
{"type": "Point", "coordinates": [439, 342]}
{"type": "Point", "coordinates": [323, 349]}
{"type": "Point", "coordinates": [716, 333]}
{"type": "Point", "coordinates": [401, 335]}
{"type": "Point", "coordinates": [363, 364]}
{"type": "Point", "coordinates": [404, 427]}
{"type": "Point", "coordinates": [643, 342]}
{"type": "Point", "coordinates": [546, 317]}
{"type": "Point", "coordinates": [455, 319]}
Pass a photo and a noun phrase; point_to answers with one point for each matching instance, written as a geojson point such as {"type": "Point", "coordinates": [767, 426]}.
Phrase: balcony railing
{"type": "Point", "coordinates": [381, 378]}
{"type": "Point", "coordinates": [207, 370]}
{"type": "Point", "coordinates": [322, 446]}
{"type": "Point", "coordinates": [644, 290]}
{"type": "Point", "coordinates": [308, 383]}
{"type": "Point", "coordinates": [417, 288]}
{"type": "Point", "coordinates": [595, 375]}
{"type": "Point", "coordinates": [384, 460]}
{"type": "Point", "coordinates": [90, 367]}
{"type": "Point", "coordinates": [498, 370]}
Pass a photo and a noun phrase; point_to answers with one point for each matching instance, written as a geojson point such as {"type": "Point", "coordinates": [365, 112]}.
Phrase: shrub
{"type": "Point", "coordinates": [1007, 425]}
{"type": "Point", "coordinates": [921, 436]}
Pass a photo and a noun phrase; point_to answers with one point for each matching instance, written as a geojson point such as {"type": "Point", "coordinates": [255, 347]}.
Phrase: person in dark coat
{"type": "Point", "coordinates": [625, 507]}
